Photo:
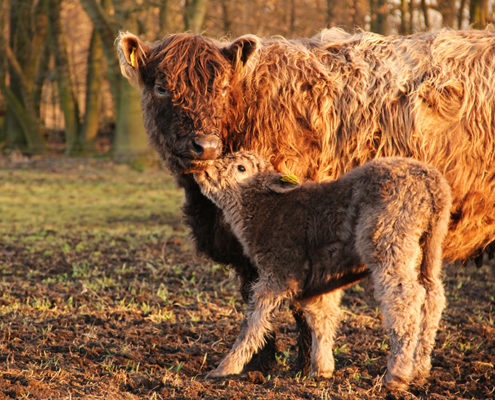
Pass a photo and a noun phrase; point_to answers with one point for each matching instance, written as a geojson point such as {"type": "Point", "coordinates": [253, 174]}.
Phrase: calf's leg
{"type": "Point", "coordinates": [431, 314]}
{"type": "Point", "coordinates": [264, 359]}
{"type": "Point", "coordinates": [323, 316]}
{"type": "Point", "coordinates": [214, 238]}
{"type": "Point", "coordinates": [401, 297]}
{"type": "Point", "coordinates": [265, 300]}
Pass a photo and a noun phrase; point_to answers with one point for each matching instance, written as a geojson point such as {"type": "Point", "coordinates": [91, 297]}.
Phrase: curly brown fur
{"type": "Point", "coordinates": [317, 108]}
{"type": "Point", "coordinates": [388, 218]}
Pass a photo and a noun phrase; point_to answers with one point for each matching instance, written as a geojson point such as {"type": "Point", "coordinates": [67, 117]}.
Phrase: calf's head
{"type": "Point", "coordinates": [224, 180]}
{"type": "Point", "coordinates": [184, 81]}
{"type": "Point", "coordinates": [225, 176]}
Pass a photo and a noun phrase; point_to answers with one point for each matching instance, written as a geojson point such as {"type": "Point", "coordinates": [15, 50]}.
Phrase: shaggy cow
{"type": "Point", "coordinates": [388, 217]}
{"type": "Point", "coordinates": [317, 108]}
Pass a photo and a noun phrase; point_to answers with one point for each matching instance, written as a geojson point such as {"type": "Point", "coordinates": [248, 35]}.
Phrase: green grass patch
{"type": "Point", "coordinates": [117, 199]}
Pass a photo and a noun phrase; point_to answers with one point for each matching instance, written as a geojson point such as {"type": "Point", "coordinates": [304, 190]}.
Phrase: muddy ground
{"type": "Point", "coordinates": [102, 297]}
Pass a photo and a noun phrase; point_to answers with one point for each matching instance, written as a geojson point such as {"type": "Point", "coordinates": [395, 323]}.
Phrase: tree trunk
{"type": "Point", "coordinates": [131, 140]}
{"type": "Point", "coordinates": [40, 77]}
{"type": "Point", "coordinates": [194, 14]}
{"type": "Point", "coordinates": [164, 17]}
{"type": "Point", "coordinates": [227, 16]}
{"type": "Point", "coordinates": [426, 17]}
{"type": "Point", "coordinates": [378, 16]}
{"type": "Point", "coordinates": [19, 37]}
{"type": "Point", "coordinates": [108, 30]}
{"type": "Point", "coordinates": [358, 14]}
{"type": "Point", "coordinates": [410, 26]}
{"type": "Point", "coordinates": [460, 14]}
{"type": "Point", "coordinates": [403, 28]}
{"type": "Point", "coordinates": [94, 76]}
{"type": "Point", "coordinates": [330, 16]}
{"type": "Point", "coordinates": [22, 118]}
{"type": "Point", "coordinates": [448, 11]}
{"type": "Point", "coordinates": [478, 11]}
{"type": "Point", "coordinates": [22, 51]}
{"type": "Point", "coordinates": [292, 16]}
{"type": "Point", "coordinates": [67, 97]}
{"type": "Point", "coordinates": [15, 132]}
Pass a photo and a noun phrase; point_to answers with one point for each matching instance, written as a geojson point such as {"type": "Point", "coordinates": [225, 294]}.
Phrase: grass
{"type": "Point", "coordinates": [102, 296]}
{"type": "Point", "coordinates": [36, 204]}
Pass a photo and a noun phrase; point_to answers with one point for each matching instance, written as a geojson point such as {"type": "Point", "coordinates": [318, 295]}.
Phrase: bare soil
{"type": "Point", "coordinates": [116, 304]}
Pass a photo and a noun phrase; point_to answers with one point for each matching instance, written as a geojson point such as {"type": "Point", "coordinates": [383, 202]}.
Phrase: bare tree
{"type": "Point", "coordinates": [426, 17]}
{"type": "Point", "coordinates": [94, 78]}
{"type": "Point", "coordinates": [478, 12]}
{"type": "Point", "coordinates": [227, 15]}
{"type": "Point", "coordinates": [291, 6]}
{"type": "Point", "coordinates": [194, 14]}
{"type": "Point", "coordinates": [330, 16]}
{"type": "Point", "coordinates": [447, 9]}
{"type": "Point", "coordinates": [379, 12]}
{"type": "Point", "coordinates": [23, 48]}
{"type": "Point", "coordinates": [66, 94]}
{"type": "Point", "coordinates": [164, 15]}
{"type": "Point", "coordinates": [404, 21]}
{"type": "Point", "coordinates": [130, 139]}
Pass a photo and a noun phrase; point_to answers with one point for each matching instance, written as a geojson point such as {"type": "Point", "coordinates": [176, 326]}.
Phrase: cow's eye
{"type": "Point", "coordinates": [241, 168]}
{"type": "Point", "coordinates": [161, 91]}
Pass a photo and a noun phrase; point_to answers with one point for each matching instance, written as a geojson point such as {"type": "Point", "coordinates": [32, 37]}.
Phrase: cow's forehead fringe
{"type": "Point", "coordinates": [188, 62]}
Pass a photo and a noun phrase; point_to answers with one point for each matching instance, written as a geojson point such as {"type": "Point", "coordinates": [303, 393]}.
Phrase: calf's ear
{"type": "Point", "coordinates": [281, 183]}
{"type": "Point", "coordinates": [240, 52]}
{"type": "Point", "coordinates": [132, 55]}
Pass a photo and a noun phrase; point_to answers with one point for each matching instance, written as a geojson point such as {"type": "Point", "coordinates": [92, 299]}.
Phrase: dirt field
{"type": "Point", "coordinates": [102, 297]}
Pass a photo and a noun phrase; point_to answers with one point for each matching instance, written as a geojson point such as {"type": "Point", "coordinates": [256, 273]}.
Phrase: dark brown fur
{"type": "Point", "coordinates": [388, 218]}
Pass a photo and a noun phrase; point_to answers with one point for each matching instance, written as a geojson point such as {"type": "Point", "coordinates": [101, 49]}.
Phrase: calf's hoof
{"type": "Point", "coordinates": [396, 383]}
{"type": "Point", "coordinates": [321, 374]}
{"type": "Point", "coordinates": [223, 370]}
{"type": "Point", "coordinates": [422, 372]}
{"type": "Point", "coordinates": [215, 374]}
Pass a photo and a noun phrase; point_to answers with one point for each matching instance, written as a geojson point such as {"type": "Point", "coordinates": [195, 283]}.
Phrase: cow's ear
{"type": "Point", "coordinates": [281, 183]}
{"type": "Point", "coordinates": [240, 52]}
{"type": "Point", "coordinates": [132, 55]}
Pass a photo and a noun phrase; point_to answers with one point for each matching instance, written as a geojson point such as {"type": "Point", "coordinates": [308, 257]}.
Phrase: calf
{"type": "Point", "coordinates": [387, 219]}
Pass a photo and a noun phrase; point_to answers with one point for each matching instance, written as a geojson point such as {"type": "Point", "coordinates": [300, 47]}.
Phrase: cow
{"type": "Point", "coordinates": [316, 108]}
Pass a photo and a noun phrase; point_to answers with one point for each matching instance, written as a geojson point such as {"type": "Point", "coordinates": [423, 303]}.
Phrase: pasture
{"type": "Point", "coordinates": [103, 297]}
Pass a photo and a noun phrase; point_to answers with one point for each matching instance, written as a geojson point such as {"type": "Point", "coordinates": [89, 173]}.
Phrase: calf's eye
{"type": "Point", "coordinates": [241, 168]}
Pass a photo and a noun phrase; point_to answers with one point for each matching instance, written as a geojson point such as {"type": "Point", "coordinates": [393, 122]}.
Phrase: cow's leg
{"type": "Point", "coordinates": [265, 299]}
{"type": "Point", "coordinates": [303, 361]}
{"type": "Point", "coordinates": [323, 316]}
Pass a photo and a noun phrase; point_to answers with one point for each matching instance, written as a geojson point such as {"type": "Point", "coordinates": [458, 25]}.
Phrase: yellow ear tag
{"type": "Point", "coordinates": [289, 179]}
{"type": "Point", "coordinates": [133, 57]}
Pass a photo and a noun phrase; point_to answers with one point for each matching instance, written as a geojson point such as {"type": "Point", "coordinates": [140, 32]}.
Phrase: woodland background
{"type": "Point", "coordinates": [60, 85]}
{"type": "Point", "coordinates": [102, 295]}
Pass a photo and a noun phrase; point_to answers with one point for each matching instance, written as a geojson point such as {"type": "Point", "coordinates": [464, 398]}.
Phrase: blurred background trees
{"type": "Point", "coordinates": [60, 85]}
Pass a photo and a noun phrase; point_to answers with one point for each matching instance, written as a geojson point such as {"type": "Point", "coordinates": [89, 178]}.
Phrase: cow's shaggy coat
{"type": "Point", "coordinates": [388, 217]}
{"type": "Point", "coordinates": [317, 108]}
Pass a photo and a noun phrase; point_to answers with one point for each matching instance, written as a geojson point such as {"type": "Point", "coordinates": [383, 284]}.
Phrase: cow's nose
{"type": "Point", "coordinates": [207, 147]}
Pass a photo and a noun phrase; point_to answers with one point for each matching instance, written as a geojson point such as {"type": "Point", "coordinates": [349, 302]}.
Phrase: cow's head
{"type": "Point", "coordinates": [185, 84]}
